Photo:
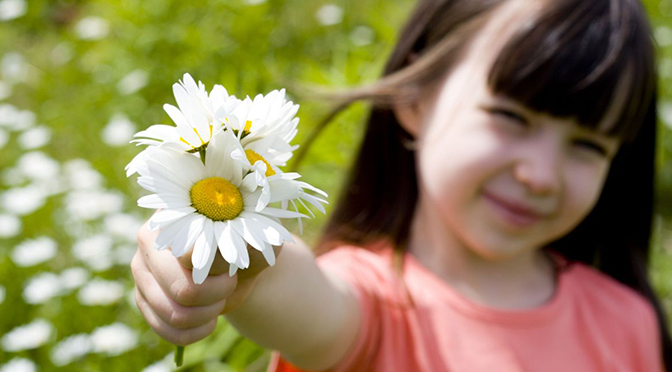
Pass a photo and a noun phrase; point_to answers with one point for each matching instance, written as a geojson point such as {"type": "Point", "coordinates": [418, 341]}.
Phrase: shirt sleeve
{"type": "Point", "coordinates": [365, 274]}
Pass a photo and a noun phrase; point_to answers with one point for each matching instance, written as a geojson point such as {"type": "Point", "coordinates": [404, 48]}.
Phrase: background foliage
{"type": "Point", "coordinates": [79, 77]}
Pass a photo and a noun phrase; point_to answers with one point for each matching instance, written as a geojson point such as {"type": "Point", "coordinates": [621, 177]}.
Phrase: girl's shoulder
{"type": "Point", "coordinates": [611, 302]}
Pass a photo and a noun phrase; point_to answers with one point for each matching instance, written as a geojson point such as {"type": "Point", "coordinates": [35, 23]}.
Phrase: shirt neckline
{"type": "Point", "coordinates": [517, 318]}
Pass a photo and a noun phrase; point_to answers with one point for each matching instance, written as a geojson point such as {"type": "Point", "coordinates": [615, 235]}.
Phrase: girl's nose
{"type": "Point", "coordinates": [540, 168]}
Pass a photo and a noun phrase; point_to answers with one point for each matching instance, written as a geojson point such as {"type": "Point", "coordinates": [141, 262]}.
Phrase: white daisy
{"type": "Point", "coordinates": [195, 118]}
{"type": "Point", "coordinates": [208, 205]}
{"type": "Point", "coordinates": [269, 118]}
{"type": "Point", "coordinates": [271, 179]}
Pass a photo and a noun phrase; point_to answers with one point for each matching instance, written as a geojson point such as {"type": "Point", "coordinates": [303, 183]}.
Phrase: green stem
{"type": "Point", "coordinates": [179, 356]}
{"type": "Point", "coordinates": [201, 152]}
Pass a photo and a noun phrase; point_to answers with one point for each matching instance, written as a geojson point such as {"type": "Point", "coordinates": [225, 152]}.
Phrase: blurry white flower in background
{"type": "Point", "coordinates": [663, 36]}
{"type": "Point", "coordinates": [80, 175]}
{"type": "Point", "coordinates": [37, 166]}
{"type": "Point", "coordinates": [71, 349]}
{"type": "Point", "coordinates": [2, 294]}
{"type": "Point", "coordinates": [254, 2]}
{"type": "Point", "coordinates": [123, 225]}
{"type": "Point", "coordinates": [100, 292]}
{"type": "Point", "coordinates": [34, 251]}
{"type": "Point", "coordinates": [12, 9]}
{"type": "Point", "coordinates": [164, 365]}
{"type": "Point", "coordinates": [665, 67]}
{"type": "Point", "coordinates": [19, 365]}
{"type": "Point", "coordinates": [61, 54]}
{"type": "Point", "coordinates": [87, 205]}
{"type": "Point", "coordinates": [94, 251]}
{"type": "Point", "coordinates": [34, 137]}
{"type": "Point", "coordinates": [41, 288]}
{"type": "Point", "coordinates": [29, 336]}
{"type": "Point", "coordinates": [133, 82]}
{"type": "Point", "coordinates": [5, 90]}
{"type": "Point", "coordinates": [4, 137]}
{"type": "Point", "coordinates": [23, 200]}
{"type": "Point", "coordinates": [123, 255]}
{"type": "Point", "coordinates": [14, 119]}
{"type": "Point", "coordinates": [13, 67]}
{"type": "Point", "coordinates": [73, 277]}
{"type": "Point", "coordinates": [10, 225]}
{"type": "Point", "coordinates": [329, 14]}
{"type": "Point", "coordinates": [362, 35]}
{"type": "Point", "coordinates": [118, 131]}
{"type": "Point", "coordinates": [92, 28]}
{"type": "Point", "coordinates": [114, 339]}
{"type": "Point", "coordinates": [665, 112]}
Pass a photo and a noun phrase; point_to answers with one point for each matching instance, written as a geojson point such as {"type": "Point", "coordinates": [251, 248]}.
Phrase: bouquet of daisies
{"type": "Point", "coordinates": [216, 176]}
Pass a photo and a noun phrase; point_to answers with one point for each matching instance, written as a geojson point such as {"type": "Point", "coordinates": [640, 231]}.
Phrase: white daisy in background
{"type": "Point", "coordinates": [195, 117]}
{"type": "Point", "coordinates": [71, 349]}
{"type": "Point", "coordinates": [3, 292]}
{"type": "Point", "coordinates": [114, 339]}
{"type": "Point", "coordinates": [19, 365]}
{"type": "Point", "coordinates": [35, 137]}
{"type": "Point", "coordinates": [208, 205]}
{"type": "Point", "coordinates": [100, 292]}
{"type": "Point", "coordinates": [29, 336]}
{"type": "Point", "coordinates": [10, 225]}
{"type": "Point", "coordinates": [41, 288]}
{"type": "Point", "coordinates": [95, 251]}
{"type": "Point", "coordinates": [34, 251]}
{"type": "Point", "coordinates": [73, 277]}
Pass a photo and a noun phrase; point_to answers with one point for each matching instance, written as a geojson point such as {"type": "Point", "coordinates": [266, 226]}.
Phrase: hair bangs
{"type": "Point", "coordinates": [589, 60]}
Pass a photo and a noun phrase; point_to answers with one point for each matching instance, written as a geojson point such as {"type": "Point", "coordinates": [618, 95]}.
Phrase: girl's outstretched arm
{"type": "Point", "coordinates": [310, 316]}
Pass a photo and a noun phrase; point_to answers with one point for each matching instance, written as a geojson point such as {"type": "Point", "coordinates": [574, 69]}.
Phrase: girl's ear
{"type": "Point", "coordinates": [409, 116]}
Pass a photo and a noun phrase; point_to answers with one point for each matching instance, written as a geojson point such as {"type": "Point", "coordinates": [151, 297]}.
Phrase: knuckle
{"type": "Point", "coordinates": [180, 318]}
{"type": "Point", "coordinates": [185, 293]}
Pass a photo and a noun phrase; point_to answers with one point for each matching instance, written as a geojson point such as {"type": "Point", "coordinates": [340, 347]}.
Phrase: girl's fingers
{"type": "Point", "coordinates": [172, 313]}
{"type": "Point", "coordinates": [167, 332]}
{"type": "Point", "coordinates": [176, 280]}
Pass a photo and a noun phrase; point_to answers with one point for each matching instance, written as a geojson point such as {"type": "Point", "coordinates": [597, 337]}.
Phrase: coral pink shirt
{"type": "Point", "coordinates": [592, 323]}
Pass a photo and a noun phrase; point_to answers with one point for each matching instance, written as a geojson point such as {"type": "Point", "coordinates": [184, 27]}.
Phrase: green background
{"type": "Point", "coordinates": [74, 86]}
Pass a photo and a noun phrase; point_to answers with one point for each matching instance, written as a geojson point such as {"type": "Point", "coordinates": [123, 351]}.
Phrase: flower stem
{"type": "Point", "coordinates": [179, 355]}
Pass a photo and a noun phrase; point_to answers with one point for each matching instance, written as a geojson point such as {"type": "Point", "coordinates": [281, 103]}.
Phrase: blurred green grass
{"type": "Point", "coordinates": [72, 80]}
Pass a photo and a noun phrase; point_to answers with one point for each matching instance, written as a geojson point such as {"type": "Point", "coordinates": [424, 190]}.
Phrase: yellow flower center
{"type": "Point", "coordinates": [252, 157]}
{"type": "Point", "coordinates": [216, 198]}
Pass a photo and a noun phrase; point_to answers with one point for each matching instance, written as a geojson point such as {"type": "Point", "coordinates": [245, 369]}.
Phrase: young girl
{"type": "Point", "coordinates": [497, 217]}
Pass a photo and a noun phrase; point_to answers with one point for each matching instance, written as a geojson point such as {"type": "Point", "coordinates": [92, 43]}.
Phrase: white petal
{"type": "Point", "coordinates": [239, 227]}
{"type": "Point", "coordinates": [191, 230]}
{"type": "Point", "coordinates": [225, 242]}
{"type": "Point", "coordinates": [269, 254]}
{"type": "Point", "coordinates": [282, 213]}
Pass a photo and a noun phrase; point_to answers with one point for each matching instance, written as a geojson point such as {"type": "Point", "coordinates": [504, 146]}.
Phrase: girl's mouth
{"type": "Point", "coordinates": [512, 212]}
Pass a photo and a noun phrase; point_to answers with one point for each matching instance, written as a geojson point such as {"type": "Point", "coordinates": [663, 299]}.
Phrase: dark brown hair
{"type": "Point", "coordinates": [567, 62]}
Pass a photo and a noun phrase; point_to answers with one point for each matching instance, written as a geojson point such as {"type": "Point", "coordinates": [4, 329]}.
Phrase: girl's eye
{"type": "Point", "coordinates": [510, 115]}
{"type": "Point", "coordinates": [592, 146]}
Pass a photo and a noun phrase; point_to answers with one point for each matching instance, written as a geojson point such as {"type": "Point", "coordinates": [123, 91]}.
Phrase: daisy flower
{"type": "Point", "coordinates": [270, 119]}
{"type": "Point", "coordinates": [208, 205]}
{"type": "Point", "coordinates": [194, 117]}
{"type": "Point", "coordinates": [274, 183]}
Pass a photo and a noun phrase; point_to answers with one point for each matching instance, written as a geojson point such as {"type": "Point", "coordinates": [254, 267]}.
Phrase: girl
{"type": "Point", "coordinates": [497, 217]}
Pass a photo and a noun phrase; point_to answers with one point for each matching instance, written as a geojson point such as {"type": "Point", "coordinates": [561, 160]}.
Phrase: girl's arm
{"type": "Point", "coordinates": [311, 317]}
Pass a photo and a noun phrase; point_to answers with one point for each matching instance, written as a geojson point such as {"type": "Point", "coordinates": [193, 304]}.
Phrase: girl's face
{"type": "Point", "coordinates": [503, 179]}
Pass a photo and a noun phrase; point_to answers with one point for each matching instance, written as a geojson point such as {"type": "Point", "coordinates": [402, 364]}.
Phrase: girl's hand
{"type": "Point", "coordinates": [177, 309]}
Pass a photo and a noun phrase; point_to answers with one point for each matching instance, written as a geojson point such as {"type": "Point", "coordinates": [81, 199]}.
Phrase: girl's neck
{"type": "Point", "coordinates": [521, 282]}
